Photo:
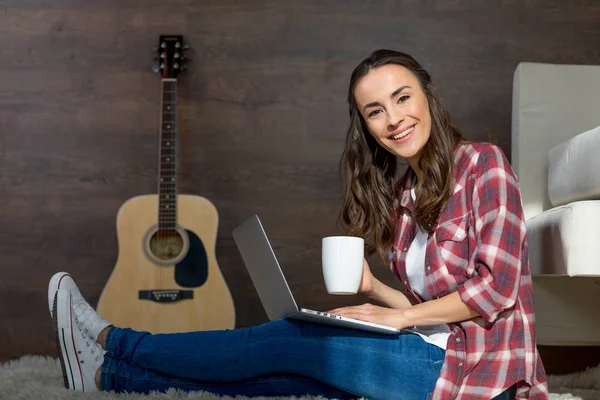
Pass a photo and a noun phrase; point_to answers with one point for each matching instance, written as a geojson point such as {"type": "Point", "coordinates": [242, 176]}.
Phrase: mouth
{"type": "Point", "coordinates": [401, 133]}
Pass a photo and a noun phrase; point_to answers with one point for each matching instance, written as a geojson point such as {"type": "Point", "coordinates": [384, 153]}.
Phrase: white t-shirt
{"type": "Point", "coordinates": [415, 270]}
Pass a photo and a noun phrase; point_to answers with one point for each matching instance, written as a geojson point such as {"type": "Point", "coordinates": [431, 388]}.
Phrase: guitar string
{"type": "Point", "coordinates": [167, 206]}
{"type": "Point", "coordinates": [160, 181]}
{"type": "Point", "coordinates": [161, 199]}
{"type": "Point", "coordinates": [167, 214]}
{"type": "Point", "coordinates": [171, 213]}
{"type": "Point", "coordinates": [167, 124]}
{"type": "Point", "coordinates": [161, 185]}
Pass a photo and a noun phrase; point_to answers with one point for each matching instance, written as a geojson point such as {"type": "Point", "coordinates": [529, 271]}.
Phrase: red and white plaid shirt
{"type": "Point", "coordinates": [479, 249]}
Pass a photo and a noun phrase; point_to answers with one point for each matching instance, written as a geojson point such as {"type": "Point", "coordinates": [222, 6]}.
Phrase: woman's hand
{"type": "Point", "coordinates": [376, 314]}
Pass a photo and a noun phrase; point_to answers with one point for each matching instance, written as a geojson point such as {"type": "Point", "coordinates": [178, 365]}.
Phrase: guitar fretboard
{"type": "Point", "coordinates": [167, 174]}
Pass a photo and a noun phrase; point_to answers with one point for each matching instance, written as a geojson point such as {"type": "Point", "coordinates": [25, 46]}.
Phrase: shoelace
{"type": "Point", "coordinates": [86, 337]}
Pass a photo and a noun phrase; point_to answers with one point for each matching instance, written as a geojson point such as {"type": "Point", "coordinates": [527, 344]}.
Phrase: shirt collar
{"type": "Point", "coordinates": [408, 180]}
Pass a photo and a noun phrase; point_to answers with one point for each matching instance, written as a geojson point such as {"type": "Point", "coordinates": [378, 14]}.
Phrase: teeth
{"type": "Point", "coordinates": [402, 134]}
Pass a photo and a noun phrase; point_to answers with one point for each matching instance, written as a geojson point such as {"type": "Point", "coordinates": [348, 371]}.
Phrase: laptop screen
{"type": "Point", "coordinates": [264, 269]}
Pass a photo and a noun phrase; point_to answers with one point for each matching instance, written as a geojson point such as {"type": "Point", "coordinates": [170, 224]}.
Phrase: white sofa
{"type": "Point", "coordinates": [553, 105]}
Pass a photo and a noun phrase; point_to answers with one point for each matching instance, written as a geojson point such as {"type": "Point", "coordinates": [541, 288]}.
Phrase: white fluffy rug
{"type": "Point", "coordinates": [37, 377]}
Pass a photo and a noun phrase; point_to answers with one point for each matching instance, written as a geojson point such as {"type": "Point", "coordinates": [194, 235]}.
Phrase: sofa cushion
{"type": "Point", "coordinates": [565, 240]}
{"type": "Point", "coordinates": [573, 169]}
{"type": "Point", "coordinates": [551, 103]}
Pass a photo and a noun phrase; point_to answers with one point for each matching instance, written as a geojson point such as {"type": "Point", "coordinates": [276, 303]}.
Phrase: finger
{"type": "Point", "coordinates": [338, 311]}
{"type": "Point", "coordinates": [360, 316]}
{"type": "Point", "coordinates": [346, 310]}
{"type": "Point", "coordinates": [355, 311]}
{"type": "Point", "coordinates": [366, 308]}
{"type": "Point", "coordinates": [362, 309]}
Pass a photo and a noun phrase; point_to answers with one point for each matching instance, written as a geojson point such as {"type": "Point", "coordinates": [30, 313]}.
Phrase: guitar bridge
{"type": "Point", "coordinates": [165, 296]}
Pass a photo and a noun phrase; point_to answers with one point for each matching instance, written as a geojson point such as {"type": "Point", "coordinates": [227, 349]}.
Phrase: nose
{"type": "Point", "coordinates": [394, 118]}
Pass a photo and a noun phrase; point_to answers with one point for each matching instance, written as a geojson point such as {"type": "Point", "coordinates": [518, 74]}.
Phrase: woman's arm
{"type": "Point", "coordinates": [448, 309]}
{"type": "Point", "coordinates": [445, 310]}
{"type": "Point", "coordinates": [388, 296]}
{"type": "Point", "coordinates": [381, 293]}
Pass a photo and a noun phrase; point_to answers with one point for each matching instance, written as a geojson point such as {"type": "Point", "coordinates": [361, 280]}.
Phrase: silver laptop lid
{"type": "Point", "coordinates": [264, 270]}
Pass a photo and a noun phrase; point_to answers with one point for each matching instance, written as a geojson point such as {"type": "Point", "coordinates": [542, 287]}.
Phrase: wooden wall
{"type": "Point", "coordinates": [262, 122]}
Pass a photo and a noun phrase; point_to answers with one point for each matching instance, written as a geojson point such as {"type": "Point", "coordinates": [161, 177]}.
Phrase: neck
{"type": "Point", "coordinates": [414, 164]}
{"type": "Point", "coordinates": [167, 174]}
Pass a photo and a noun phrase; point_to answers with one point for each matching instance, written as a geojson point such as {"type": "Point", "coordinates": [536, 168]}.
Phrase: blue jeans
{"type": "Point", "coordinates": [279, 358]}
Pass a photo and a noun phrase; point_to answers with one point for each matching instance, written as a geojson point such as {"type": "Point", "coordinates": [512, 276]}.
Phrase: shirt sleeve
{"type": "Point", "coordinates": [500, 231]}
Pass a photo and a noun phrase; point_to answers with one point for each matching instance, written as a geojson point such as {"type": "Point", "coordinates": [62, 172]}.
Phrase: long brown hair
{"type": "Point", "coordinates": [369, 172]}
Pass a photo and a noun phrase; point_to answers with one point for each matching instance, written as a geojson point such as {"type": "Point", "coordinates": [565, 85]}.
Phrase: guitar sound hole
{"type": "Point", "coordinates": [166, 244]}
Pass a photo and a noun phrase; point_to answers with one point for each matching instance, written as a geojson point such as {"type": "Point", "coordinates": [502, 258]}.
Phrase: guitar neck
{"type": "Point", "coordinates": [167, 171]}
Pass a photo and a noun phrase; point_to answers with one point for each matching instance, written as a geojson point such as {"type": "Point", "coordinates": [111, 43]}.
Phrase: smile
{"type": "Point", "coordinates": [403, 133]}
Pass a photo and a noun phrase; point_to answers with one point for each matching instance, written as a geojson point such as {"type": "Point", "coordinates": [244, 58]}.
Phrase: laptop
{"type": "Point", "coordinates": [272, 288]}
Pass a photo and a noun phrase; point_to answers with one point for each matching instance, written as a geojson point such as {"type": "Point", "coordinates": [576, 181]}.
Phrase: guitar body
{"type": "Point", "coordinates": [176, 286]}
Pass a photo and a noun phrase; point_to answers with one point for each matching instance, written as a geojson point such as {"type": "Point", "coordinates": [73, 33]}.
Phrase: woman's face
{"type": "Point", "coordinates": [395, 109]}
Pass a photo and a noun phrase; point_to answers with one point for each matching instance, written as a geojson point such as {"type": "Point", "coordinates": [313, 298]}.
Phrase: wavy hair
{"type": "Point", "coordinates": [369, 172]}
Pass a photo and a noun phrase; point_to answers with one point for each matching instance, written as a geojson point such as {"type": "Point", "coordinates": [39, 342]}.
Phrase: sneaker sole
{"type": "Point", "coordinates": [69, 362]}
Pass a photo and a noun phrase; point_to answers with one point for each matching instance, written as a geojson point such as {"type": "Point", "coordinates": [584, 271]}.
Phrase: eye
{"type": "Point", "coordinates": [402, 99]}
{"type": "Point", "coordinates": [373, 113]}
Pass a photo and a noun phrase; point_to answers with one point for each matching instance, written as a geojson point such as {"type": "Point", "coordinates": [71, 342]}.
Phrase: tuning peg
{"type": "Point", "coordinates": [185, 47]}
{"type": "Point", "coordinates": [157, 68]}
{"type": "Point", "coordinates": [155, 49]}
{"type": "Point", "coordinates": [183, 67]}
{"type": "Point", "coordinates": [176, 55]}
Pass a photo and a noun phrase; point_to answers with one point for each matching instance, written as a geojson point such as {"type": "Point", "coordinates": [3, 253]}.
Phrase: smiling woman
{"type": "Point", "coordinates": [393, 98]}
{"type": "Point", "coordinates": [452, 228]}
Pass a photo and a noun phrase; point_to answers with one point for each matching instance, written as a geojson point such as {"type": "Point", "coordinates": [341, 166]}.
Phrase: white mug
{"type": "Point", "coordinates": [342, 261]}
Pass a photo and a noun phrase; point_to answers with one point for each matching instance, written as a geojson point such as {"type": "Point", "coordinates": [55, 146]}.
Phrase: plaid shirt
{"type": "Point", "coordinates": [479, 249]}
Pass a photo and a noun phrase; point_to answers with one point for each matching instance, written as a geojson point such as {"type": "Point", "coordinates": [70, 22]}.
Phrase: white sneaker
{"type": "Point", "coordinates": [79, 357]}
{"type": "Point", "coordinates": [94, 324]}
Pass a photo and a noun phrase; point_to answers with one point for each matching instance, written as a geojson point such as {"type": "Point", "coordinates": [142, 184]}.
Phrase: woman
{"type": "Point", "coordinates": [453, 230]}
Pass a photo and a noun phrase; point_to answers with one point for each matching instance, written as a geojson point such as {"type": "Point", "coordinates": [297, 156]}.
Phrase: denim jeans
{"type": "Point", "coordinates": [279, 358]}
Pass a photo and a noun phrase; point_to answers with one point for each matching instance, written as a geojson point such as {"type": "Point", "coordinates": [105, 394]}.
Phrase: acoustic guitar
{"type": "Point", "coordinates": [167, 278]}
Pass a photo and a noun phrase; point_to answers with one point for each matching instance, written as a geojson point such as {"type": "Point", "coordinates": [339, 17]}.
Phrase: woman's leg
{"type": "Point", "coordinates": [120, 376]}
{"type": "Point", "coordinates": [366, 364]}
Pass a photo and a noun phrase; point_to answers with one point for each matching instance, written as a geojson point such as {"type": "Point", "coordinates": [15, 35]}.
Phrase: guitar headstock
{"type": "Point", "coordinates": [171, 58]}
